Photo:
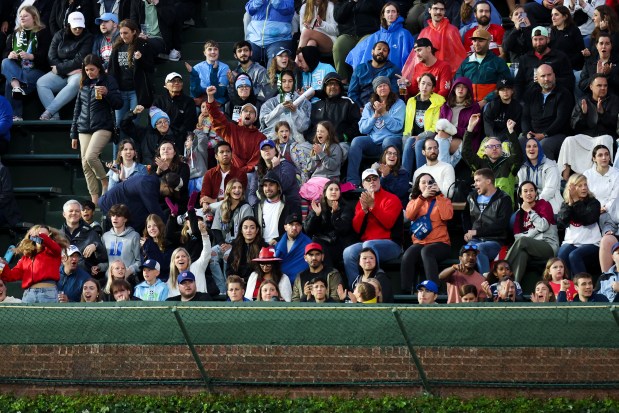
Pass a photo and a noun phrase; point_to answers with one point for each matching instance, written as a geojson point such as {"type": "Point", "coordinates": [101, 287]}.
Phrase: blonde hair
{"type": "Point", "coordinates": [308, 16]}
{"type": "Point", "coordinates": [173, 270]}
{"type": "Point", "coordinates": [36, 19]}
{"type": "Point", "coordinates": [547, 276]}
{"type": "Point", "coordinates": [226, 205]}
{"type": "Point", "coordinates": [28, 248]}
{"type": "Point", "coordinates": [110, 279]}
{"type": "Point", "coordinates": [575, 180]}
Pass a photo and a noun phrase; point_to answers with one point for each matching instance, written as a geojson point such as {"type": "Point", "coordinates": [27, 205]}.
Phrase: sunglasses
{"type": "Point", "coordinates": [371, 178]}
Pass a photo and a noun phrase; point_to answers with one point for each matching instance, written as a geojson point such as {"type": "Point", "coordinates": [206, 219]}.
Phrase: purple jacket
{"type": "Point", "coordinates": [465, 114]}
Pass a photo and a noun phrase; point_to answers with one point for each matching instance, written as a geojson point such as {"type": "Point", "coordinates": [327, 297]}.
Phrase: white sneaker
{"type": "Point", "coordinates": [174, 55]}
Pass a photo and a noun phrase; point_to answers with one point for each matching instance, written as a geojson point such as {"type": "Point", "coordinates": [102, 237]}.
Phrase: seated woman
{"type": "Point", "coordinates": [370, 268]}
{"type": "Point", "coordinates": [318, 26]}
{"type": "Point", "coordinates": [535, 230]}
{"type": "Point", "coordinates": [381, 123]}
{"type": "Point", "coordinates": [431, 248]}
{"type": "Point", "coordinates": [126, 164]}
{"type": "Point", "coordinates": [329, 223]}
{"type": "Point", "coordinates": [282, 107]}
{"type": "Point", "coordinates": [268, 268]}
{"type": "Point", "coordinates": [565, 36]}
{"type": "Point", "coordinates": [66, 53]}
{"type": "Point", "coordinates": [543, 293]}
{"type": "Point", "coordinates": [554, 273]}
{"type": "Point", "coordinates": [154, 245]}
{"type": "Point", "coordinates": [326, 157]}
{"type": "Point", "coordinates": [392, 32]}
{"type": "Point", "coordinates": [39, 266]}
{"type": "Point", "coordinates": [226, 226]}
{"type": "Point", "coordinates": [422, 112]}
{"type": "Point", "coordinates": [279, 63]}
{"type": "Point", "coordinates": [245, 248]}
{"type": "Point", "coordinates": [167, 161]}
{"type": "Point", "coordinates": [458, 109]}
{"type": "Point", "coordinates": [26, 62]}
{"type": "Point", "coordinates": [393, 177]}
{"type": "Point", "coordinates": [583, 15]}
{"type": "Point", "coordinates": [605, 20]}
{"type": "Point", "coordinates": [543, 173]}
{"type": "Point", "coordinates": [295, 152]}
{"type": "Point", "coordinates": [602, 178]}
{"type": "Point", "coordinates": [91, 292]}
{"type": "Point", "coordinates": [579, 215]}
{"type": "Point", "coordinates": [272, 163]}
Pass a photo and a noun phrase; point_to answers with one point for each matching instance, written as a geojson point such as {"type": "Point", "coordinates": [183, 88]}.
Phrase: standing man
{"type": "Point", "coordinates": [314, 256]}
{"type": "Point", "coordinates": [489, 210]}
{"type": "Point", "coordinates": [378, 221]}
{"type": "Point", "coordinates": [179, 107]}
{"type": "Point", "coordinates": [104, 41]}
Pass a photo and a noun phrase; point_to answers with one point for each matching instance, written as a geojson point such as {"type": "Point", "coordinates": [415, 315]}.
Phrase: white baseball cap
{"type": "Point", "coordinates": [76, 19]}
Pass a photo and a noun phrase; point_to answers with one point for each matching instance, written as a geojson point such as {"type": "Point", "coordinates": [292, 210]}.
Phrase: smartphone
{"type": "Point", "coordinates": [37, 240]}
{"type": "Point", "coordinates": [523, 16]}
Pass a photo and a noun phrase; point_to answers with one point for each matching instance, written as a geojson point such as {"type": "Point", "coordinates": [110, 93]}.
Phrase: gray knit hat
{"type": "Point", "coordinates": [379, 81]}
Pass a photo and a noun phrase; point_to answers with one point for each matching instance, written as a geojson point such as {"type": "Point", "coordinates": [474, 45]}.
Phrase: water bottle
{"type": "Point", "coordinates": [8, 255]}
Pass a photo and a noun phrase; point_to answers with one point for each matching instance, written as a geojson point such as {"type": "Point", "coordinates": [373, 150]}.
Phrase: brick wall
{"type": "Point", "coordinates": [305, 370]}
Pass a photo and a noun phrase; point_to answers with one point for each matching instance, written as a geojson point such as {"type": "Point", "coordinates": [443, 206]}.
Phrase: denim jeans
{"type": "Point", "coordinates": [386, 250]}
{"type": "Point", "coordinates": [11, 69]}
{"type": "Point", "coordinates": [65, 87]}
{"type": "Point", "coordinates": [40, 295]}
{"type": "Point", "coordinates": [364, 145]}
{"type": "Point", "coordinates": [575, 257]}
{"type": "Point", "coordinates": [487, 251]}
{"type": "Point", "coordinates": [130, 101]}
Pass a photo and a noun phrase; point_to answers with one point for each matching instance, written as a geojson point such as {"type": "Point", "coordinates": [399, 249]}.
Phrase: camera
{"type": "Point", "coordinates": [35, 239]}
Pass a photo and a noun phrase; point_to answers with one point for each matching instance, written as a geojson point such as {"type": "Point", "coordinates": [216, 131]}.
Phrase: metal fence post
{"type": "Point", "coordinates": [411, 350]}
{"type": "Point", "coordinates": [194, 353]}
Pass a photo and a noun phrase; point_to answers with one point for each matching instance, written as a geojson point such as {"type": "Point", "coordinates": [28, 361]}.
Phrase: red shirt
{"type": "Point", "coordinates": [496, 38]}
{"type": "Point", "coordinates": [441, 71]}
{"type": "Point", "coordinates": [212, 181]}
{"type": "Point", "coordinates": [44, 266]}
{"type": "Point", "coordinates": [381, 218]}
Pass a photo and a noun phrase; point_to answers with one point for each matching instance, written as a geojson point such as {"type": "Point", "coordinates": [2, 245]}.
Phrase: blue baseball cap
{"type": "Point", "coordinates": [428, 285]}
{"type": "Point", "coordinates": [267, 142]}
{"type": "Point", "coordinates": [106, 17]}
{"type": "Point", "coordinates": [185, 276]}
{"type": "Point", "coordinates": [152, 264]}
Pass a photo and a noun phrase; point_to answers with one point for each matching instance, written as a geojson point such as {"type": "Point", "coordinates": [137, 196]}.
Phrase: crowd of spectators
{"type": "Point", "coordinates": [283, 178]}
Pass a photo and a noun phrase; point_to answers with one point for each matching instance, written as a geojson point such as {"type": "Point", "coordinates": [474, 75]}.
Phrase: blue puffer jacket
{"type": "Point", "coordinates": [271, 21]}
{"type": "Point", "coordinates": [400, 42]}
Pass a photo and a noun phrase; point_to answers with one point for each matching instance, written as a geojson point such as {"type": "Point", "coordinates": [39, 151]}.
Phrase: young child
{"type": "Point", "coordinates": [608, 283]}
{"type": "Point", "coordinates": [319, 292]}
{"type": "Point", "coordinates": [235, 287]}
{"type": "Point", "coordinates": [152, 288]}
{"type": "Point", "coordinates": [291, 150]}
{"type": "Point", "coordinates": [211, 72]}
{"type": "Point", "coordinates": [427, 292]}
{"type": "Point", "coordinates": [102, 46]}
{"type": "Point", "coordinates": [326, 156]}
{"type": "Point", "coordinates": [543, 293]}
{"type": "Point", "coordinates": [88, 215]}
{"type": "Point", "coordinates": [500, 271]}
{"type": "Point", "coordinates": [468, 293]}
{"type": "Point", "coordinates": [554, 273]}
{"type": "Point", "coordinates": [463, 273]}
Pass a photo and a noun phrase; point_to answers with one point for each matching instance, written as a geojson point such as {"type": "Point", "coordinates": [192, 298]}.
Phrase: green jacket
{"type": "Point", "coordinates": [484, 75]}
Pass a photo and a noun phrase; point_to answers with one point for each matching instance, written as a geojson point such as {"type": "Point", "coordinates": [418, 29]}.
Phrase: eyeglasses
{"type": "Point", "coordinates": [371, 178]}
{"type": "Point", "coordinates": [162, 122]}
{"type": "Point", "coordinates": [493, 146]}
{"type": "Point", "coordinates": [390, 153]}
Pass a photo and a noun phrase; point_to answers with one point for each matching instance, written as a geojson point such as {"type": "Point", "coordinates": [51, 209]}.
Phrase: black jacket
{"type": "Point", "coordinates": [91, 114]}
{"type": "Point", "coordinates": [358, 18]}
{"type": "Point", "coordinates": [61, 10]}
{"type": "Point", "coordinates": [560, 64]}
{"type": "Point", "coordinates": [181, 109]}
{"type": "Point", "coordinates": [142, 70]}
{"type": "Point", "coordinates": [584, 212]}
{"type": "Point", "coordinates": [496, 115]}
{"type": "Point", "coordinates": [491, 225]}
{"type": "Point", "coordinates": [332, 228]}
{"type": "Point", "coordinates": [83, 236]}
{"type": "Point", "coordinates": [590, 69]}
{"type": "Point", "coordinates": [593, 123]}
{"type": "Point", "coordinates": [148, 138]}
{"type": "Point", "coordinates": [342, 112]}
{"type": "Point", "coordinates": [165, 17]}
{"type": "Point", "coordinates": [570, 42]}
{"type": "Point", "coordinates": [517, 42]}
{"type": "Point", "coordinates": [551, 117]}
{"type": "Point", "coordinates": [43, 38]}
{"type": "Point", "coordinates": [67, 51]}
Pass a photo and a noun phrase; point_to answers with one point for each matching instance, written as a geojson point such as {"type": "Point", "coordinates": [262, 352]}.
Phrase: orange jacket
{"type": "Point", "coordinates": [441, 213]}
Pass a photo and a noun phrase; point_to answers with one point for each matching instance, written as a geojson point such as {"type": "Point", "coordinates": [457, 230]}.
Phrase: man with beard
{"type": "Point", "coordinates": [188, 290]}
{"type": "Point", "coordinates": [178, 106]}
{"type": "Point", "coordinates": [483, 68]}
{"type": "Point", "coordinates": [302, 288]}
{"type": "Point", "coordinates": [216, 179]}
{"type": "Point", "coordinates": [271, 212]}
{"type": "Point", "coordinates": [360, 88]}
{"type": "Point", "coordinates": [463, 273]}
{"type": "Point", "coordinates": [256, 72]}
{"type": "Point", "coordinates": [542, 54]}
{"type": "Point", "coordinates": [243, 137]}
{"type": "Point", "coordinates": [442, 172]}
{"type": "Point", "coordinates": [547, 112]}
{"type": "Point", "coordinates": [291, 247]}
{"type": "Point", "coordinates": [341, 111]}
{"type": "Point", "coordinates": [427, 62]}
{"type": "Point", "coordinates": [482, 15]}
